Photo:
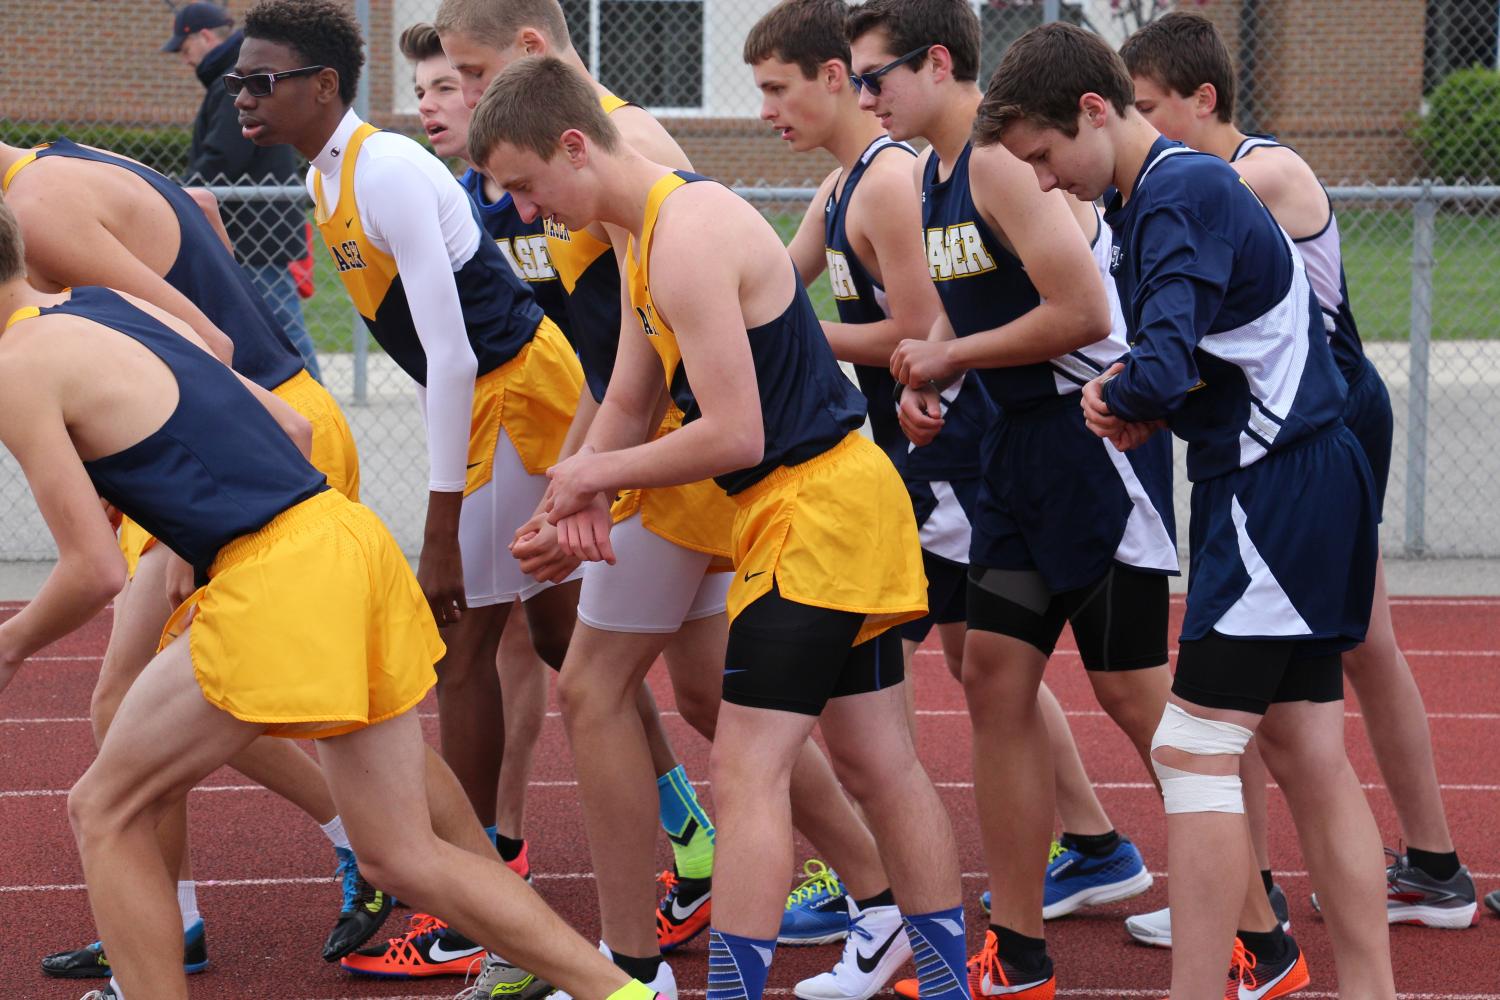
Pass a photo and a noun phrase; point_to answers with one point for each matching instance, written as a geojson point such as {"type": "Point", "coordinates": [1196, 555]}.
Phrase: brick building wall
{"type": "Point", "coordinates": [1339, 79]}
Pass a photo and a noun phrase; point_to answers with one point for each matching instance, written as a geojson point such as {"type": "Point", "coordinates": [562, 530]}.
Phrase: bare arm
{"type": "Point", "coordinates": [700, 298]}
{"type": "Point", "coordinates": [90, 569]}
{"type": "Point", "coordinates": [1046, 231]}
{"type": "Point", "coordinates": [209, 206]}
{"type": "Point", "coordinates": [1287, 186]}
{"type": "Point", "coordinates": [807, 246]}
{"type": "Point", "coordinates": [885, 223]}
{"type": "Point", "coordinates": [66, 248]}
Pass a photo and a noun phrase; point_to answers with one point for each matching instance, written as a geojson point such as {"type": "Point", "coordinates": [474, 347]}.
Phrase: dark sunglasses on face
{"type": "Point", "coordinates": [871, 80]}
{"type": "Point", "coordinates": [261, 84]}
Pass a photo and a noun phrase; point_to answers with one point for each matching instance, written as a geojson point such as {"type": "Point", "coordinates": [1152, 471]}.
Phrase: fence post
{"type": "Point", "coordinates": [1051, 10]}
{"type": "Point", "coordinates": [358, 332]}
{"type": "Point", "coordinates": [1424, 233]}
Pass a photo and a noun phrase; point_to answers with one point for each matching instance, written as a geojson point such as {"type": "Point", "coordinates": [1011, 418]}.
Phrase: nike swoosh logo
{"type": "Point", "coordinates": [472, 465]}
{"type": "Point", "coordinates": [867, 963]}
{"type": "Point", "coordinates": [992, 988]}
{"type": "Point", "coordinates": [1264, 988]}
{"type": "Point", "coordinates": [751, 576]}
{"type": "Point", "coordinates": [688, 832]}
{"type": "Point", "coordinates": [679, 914]}
{"type": "Point", "coordinates": [441, 954]}
{"type": "Point", "coordinates": [348, 223]}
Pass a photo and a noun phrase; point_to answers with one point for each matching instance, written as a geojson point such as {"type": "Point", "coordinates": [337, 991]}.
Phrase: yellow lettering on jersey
{"type": "Point", "coordinates": [840, 276]}
{"type": "Point", "coordinates": [527, 256]}
{"type": "Point", "coordinates": [556, 231]}
{"type": "Point", "coordinates": [957, 252]}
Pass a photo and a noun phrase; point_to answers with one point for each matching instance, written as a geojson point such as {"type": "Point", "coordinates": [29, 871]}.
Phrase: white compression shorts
{"type": "Point", "coordinates": [488, 521]}
{"type": "Point", "coordinates": [654, 586]}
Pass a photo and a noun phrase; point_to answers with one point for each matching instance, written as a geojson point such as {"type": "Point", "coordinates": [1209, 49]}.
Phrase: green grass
{"type": "Point", "coordinates": [1377, 260]}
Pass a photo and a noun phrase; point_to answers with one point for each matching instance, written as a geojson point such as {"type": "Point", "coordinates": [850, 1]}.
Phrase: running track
{"type": "Point", "coordinates": [265, 890]}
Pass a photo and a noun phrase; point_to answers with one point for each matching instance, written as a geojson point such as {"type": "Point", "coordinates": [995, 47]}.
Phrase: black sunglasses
{"type": "Point", "coordinates": [871, 80]}
{"type": "Point", "coordinates": [261, 84]}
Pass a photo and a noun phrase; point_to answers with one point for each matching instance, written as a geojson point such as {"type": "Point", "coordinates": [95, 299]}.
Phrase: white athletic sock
{"type": "Point", "coordinates": [114, 984]}
{"type": "Point", "coordinates": [334, 831]}
{"type": "Point", "coordinates": [187, 902]}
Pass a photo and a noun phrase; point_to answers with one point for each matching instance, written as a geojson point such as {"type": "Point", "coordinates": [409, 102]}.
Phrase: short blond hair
{"type": "Point", "coordinates": [495, 22]}
{"type": "Point", "coordinates": [514, 111]}
{"type": "Point", "coordinates": [12, 247]}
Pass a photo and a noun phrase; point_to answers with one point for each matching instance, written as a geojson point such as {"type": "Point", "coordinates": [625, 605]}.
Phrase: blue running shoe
{"type": "Point", "coordinates": [1075, 880]}
{"type": "Point", "coordinates": [817, 911]}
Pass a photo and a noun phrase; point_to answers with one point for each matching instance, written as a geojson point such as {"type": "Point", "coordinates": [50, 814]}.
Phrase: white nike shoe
{"type": "Point", "coordinates": [875, 948]}
{"type": "Point", "coordinates": [664, 983]}
{"type": "Point", "coordinates": [1155, 928]}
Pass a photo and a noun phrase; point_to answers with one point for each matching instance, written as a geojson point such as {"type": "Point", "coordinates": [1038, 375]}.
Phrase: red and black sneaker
{"type": "Point", "coordinates": [429, 948]}
{"type": "Point", "coordinates": [684, 912]}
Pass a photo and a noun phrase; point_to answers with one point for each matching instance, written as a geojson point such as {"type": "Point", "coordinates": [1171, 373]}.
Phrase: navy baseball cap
{"type": "Point", "coordinates": [193, 18]}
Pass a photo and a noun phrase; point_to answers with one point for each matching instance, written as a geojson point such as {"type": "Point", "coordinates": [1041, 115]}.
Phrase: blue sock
{"type": "Point", "coordinates": [493, 832]}
{"type": "Point", "coordinates": [937, 945]}
{"type": "Point", "coordinates": [678, 803]}
{"type": "Point", "coordinates": [737, 966]}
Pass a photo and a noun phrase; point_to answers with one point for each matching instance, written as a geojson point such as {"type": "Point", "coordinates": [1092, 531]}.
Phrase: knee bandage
{"type": "Point", "coordinates": [1188, 791]}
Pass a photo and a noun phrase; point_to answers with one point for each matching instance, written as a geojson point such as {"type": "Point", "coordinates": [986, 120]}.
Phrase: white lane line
{"type": "Point", "coordinates": [1113, 786]}
{"type": "Point", "coordinates": [254, 882]}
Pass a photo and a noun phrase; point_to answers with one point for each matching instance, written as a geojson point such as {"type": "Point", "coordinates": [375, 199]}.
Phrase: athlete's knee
{"type": "Point", "coordinates": [94, 808]}
{"type": "Point", "coordinates": [551, 644]}
{"type": "Point", "coordinates": [103, 705]}
{"type": "Point", "coordinates": [1137, 712]}
{"type": "Point", "coordinates": [1197, 762]}
{"type": "Point", "coordinates": [699, 708]}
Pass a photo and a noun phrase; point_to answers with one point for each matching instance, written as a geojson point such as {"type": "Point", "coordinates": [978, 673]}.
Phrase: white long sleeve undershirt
{"type": "Point", "coordinates": [413, 209]}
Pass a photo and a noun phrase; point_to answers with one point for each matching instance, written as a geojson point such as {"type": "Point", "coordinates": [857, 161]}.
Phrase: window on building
{"type": "Point", "coordinates": [649, 51]}
{"type": "Point", "coordinates": [1460, 34]}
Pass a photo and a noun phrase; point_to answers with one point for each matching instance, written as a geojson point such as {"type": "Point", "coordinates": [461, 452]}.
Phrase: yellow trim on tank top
{"type": "Point", "coordinates": [361, 281]}
{"type": "Point", "coordinates": [15, 168]}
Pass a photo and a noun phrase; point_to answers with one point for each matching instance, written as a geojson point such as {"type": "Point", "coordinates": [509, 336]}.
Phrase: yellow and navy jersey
{"type": "Point", "coordinates": [500, 315]}
{"type": "Point", "coordinates": [806, 404]}
{"type": "Point", "coordinates": [205, 272]}
{"type": "Point", "coordinates": [591, 287]}
{"type": "Point", "coordinates": [524, 245]}
{"type": "Point", "coordinates": [220, 467]}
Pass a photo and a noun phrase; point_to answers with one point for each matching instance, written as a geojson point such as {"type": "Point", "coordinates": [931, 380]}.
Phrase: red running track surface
{"type": "Point", "coordinates": [266, 891]}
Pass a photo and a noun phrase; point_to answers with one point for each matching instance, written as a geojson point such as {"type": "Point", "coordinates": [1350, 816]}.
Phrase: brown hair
{"type": "Point", "coordinates": [911, 24]}
{"type": "Point", "coordinates": [419, 42]}
{"type": "Point", "coordinates": [1043, 76]}
{"type": "Point", "coordinates": [1182, 51]}
{"type": "Point", "coordinates": [495, 22]}
{"type": "Point", "coordinates": [12, 247]}
{"type": "Point", "coordinates": [510, 110]}
{"type": "Point", "coordinates": [805, 32]}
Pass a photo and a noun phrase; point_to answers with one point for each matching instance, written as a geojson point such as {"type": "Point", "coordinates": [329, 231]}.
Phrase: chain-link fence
{"type": "Point", "coordinates": [1396, 103]}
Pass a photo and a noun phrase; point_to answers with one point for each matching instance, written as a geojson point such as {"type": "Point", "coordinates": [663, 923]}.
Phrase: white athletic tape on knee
{"type": "Point", "coordinates": [1190, 792]}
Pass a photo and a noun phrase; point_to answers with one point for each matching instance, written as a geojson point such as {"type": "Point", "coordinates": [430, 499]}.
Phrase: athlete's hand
{"type": "Point", "coordinates": [584, 534]}
{"type": "Point", "coordinates": [1133, 435]}
{"type": "Point", "coordinates": [179, 580]}
{"type": "Point", "coordinates": [537, 550]}
{"type": "Point", "coordinates": [112, 512]}
{"type": "Point", "coordinates": [920, 413]}
{"type": "Point", "coordinates": [924, 362]}
{"type": "Point", "coordinates": [440, 573]}
{"type": "Point", "coordinates": [1096, 412]}
{"type": "Point", "coordinates": [574, 484]}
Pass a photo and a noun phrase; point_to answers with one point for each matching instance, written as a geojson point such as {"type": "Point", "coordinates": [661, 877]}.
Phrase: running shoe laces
{"type": "Point", "coordinates": [820, 880]}
{"type": "Point", "coordinates": [348, 873]}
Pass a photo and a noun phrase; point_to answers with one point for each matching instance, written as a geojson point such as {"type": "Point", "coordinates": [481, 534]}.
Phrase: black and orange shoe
{"type": "Point", "coordinates": [429, 948]}
{"type": "Point", "coordinates": [685, 910]}
{"type": "Point", "coordinates": [1252, 978]}
{"type": "Point", "coordinates": [990, 975]}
